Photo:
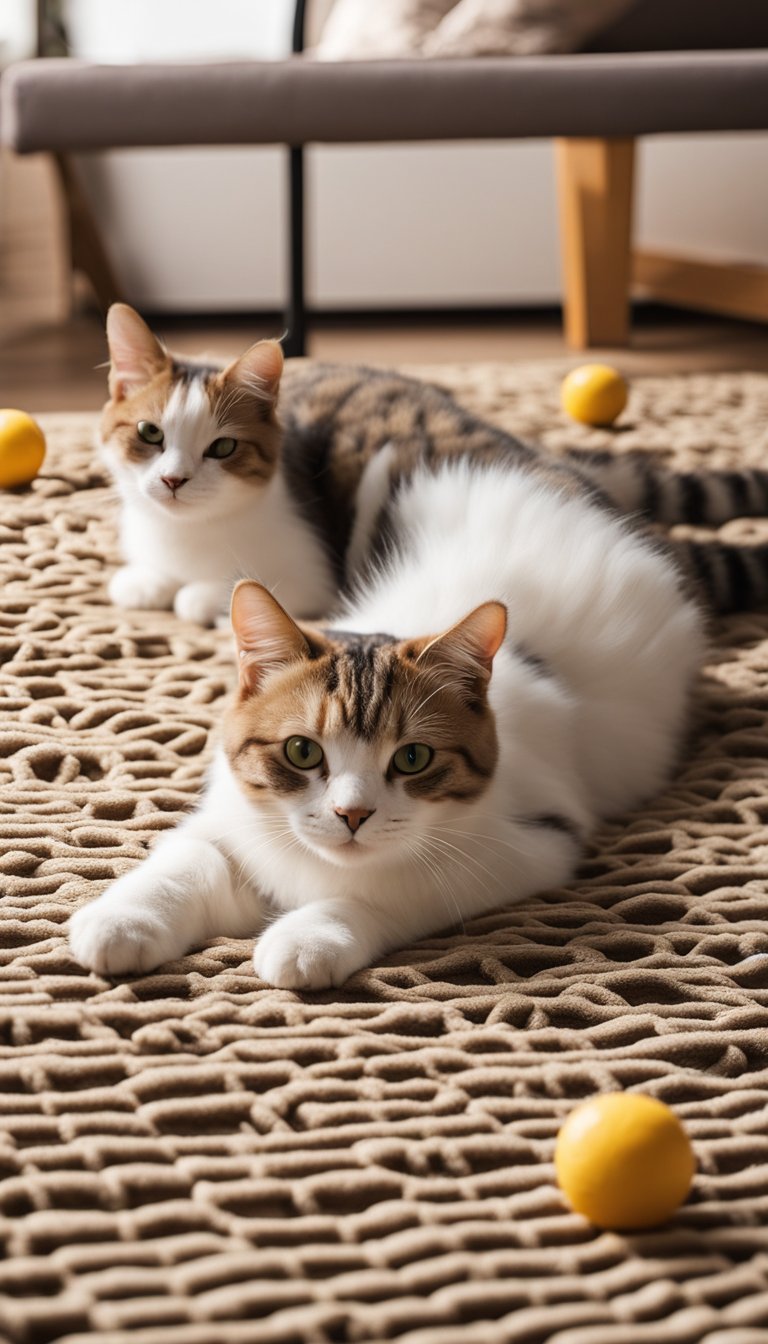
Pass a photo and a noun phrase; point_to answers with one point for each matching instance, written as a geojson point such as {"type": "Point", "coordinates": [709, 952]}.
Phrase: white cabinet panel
{"type": "Point", "coordinates": [195, 230]}
{"type": "Point", "coordinates": [705, 195]}
{"type": "Point", "coordinates": [438, 224]}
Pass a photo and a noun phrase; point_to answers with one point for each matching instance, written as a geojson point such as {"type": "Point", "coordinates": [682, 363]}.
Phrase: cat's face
{"type": "Point", "coordinates": [186, 437]}
{"type": "Point", "coordinates": [358, 743]}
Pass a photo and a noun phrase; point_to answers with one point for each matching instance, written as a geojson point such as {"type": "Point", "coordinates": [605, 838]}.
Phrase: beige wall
{"type": "Point", "coordinates": [395, 225]}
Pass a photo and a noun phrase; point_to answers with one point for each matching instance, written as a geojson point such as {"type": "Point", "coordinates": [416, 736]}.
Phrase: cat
{"type": "Point", "coordinates": [515, 665]}
{"type": "Point", "coordinates": [249, 469]}
{"type": "Point", "coordinates": [193, 449]}
{"type": "Point", "coordinates": [511, 659]}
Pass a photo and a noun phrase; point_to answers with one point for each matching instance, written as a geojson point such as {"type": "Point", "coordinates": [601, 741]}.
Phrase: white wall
{"type": "Point", "coordinates": [707, 194]}
{"type": "Point", "coordinates": [397, 225]}
{"type": "Point", "coordinates": [18, 30]}
{"type": "Point", "coordinates": [124, 31]}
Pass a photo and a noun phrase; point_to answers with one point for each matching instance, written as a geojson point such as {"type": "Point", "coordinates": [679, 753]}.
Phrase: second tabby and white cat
{"type": "Point", "coordinates": [215, 485]}
{"type": "Point", "coordinates": [194, 450]}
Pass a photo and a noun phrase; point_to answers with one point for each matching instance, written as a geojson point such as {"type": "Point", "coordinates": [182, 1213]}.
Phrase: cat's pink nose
{"type": "Point", "coordinates": [354, 816]}
{"type": "Point", "coordinates": [174, 483]}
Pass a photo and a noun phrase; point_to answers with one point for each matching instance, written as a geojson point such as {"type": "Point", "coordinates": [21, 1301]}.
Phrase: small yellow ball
{"type": "Point", "coordinates": [594, 394]}
{"type": "Point", "coordinates": [22, 448]}
{"type": "Point", "coordinates": [624, 1161]}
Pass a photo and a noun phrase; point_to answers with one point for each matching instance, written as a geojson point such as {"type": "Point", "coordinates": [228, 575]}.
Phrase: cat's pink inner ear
{"type": "Point", "coordinates": [265, 635]}
{"type": "Point", "coordinates": [473, 643]}
{"type": "Point", "coordinates": [136, 355]}
{"type": "Point", "coordinates": [259, 370]}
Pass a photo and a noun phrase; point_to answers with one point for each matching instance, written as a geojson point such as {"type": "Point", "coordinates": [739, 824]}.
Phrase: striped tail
{"type": "Point", "coordinates": [730, 578]}
{"type": "Point", "coordinates": [707, 498]}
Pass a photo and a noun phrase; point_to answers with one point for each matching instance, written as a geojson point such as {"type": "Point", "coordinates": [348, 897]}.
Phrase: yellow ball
{"type": "Point", "coordinates": [22, 448]}
{"type": "Point", "coordinates": [594, 394]}
{"type": "Point", "coordinates": [624, 1161]}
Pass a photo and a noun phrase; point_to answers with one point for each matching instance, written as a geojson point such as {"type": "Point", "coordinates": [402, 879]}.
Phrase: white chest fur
{"type": "Point", "coordinates": [266, 539]}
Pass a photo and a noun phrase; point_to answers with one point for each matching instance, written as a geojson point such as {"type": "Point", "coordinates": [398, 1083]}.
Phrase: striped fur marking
{"type": "Point", "coordinates": [344, 688]}
{"type": "Point", "coordinates": [729, 578]}
{"type": "Point", "coordinates": [636, 484]}
{"type": "Point", "coordinates": [555, 822]}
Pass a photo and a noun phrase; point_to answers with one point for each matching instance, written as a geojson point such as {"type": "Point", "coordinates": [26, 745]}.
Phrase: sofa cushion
{"type": "Point", "coordinates": [519, 27]}
{"type": "Point", "coordinates": [359, 30]}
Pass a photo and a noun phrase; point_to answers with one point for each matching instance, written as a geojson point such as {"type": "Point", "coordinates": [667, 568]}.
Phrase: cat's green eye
{"type": "Point", "coordinates": [412, 759]}
{"type": "Point", "coordinates": [221, 448]}
{"type": "Point", "coordinates": [150, 433]}
{"type": "Point", "coordinates": [303, 752]}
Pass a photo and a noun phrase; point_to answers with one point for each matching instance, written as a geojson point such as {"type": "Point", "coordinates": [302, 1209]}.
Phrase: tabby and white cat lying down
{"type": "Point", "coordinates": [515, 665]}
{"type": "Point", "coordinates": [215, 488]}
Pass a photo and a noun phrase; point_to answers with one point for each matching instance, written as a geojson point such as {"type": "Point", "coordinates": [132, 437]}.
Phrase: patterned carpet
{"type": "Point", "coordinates": [194, 1158]}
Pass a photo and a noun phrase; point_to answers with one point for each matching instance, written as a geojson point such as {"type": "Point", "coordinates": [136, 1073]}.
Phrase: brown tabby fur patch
{"type": "Point", "coordinates": [336, 418]}
{"type": "Point", "coordinates": [369, 687]}
{"type": "Point", "coordinates": [119, 419]}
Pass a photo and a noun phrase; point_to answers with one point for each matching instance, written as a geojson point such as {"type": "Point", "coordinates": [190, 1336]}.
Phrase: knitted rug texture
{"type": "Point", "coordinates": [195, 1158]}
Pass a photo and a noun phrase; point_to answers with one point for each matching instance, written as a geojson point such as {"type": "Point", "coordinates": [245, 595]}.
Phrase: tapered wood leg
{"type": "Point", "coordinates": [87, 251]}
{"type": "Point", "coordinates": [595, 190]}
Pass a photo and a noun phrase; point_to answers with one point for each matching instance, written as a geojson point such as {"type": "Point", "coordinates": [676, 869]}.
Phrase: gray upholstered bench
{"type": "Point", "coordinates": [594, 105]}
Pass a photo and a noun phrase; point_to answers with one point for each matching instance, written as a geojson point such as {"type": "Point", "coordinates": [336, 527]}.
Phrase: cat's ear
{"type": "Point", "coordinates": [136, 355]}
{"type": "Point", "coordinates": [265, 635]}
{"type": "Point", "coordinates": [259, 370]}
{"type": "Point", "coordinates": [471, 645]}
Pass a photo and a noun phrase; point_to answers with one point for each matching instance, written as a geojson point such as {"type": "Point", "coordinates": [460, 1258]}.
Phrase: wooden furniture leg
{"type": "Point", "coordinates": [736, 289]}
{"type": "Point", "coordinates": [595, 190]}
{"type": "Point", "coordinates": [86, 248]}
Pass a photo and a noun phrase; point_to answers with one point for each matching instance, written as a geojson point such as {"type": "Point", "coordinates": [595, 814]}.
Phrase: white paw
{"type": "Point", "coordinates": [306, 951]}
{"type": "Point", "coordinates": [115, 941]}
{"type": "Point", "coordinates": [201, 602]}
{"type": "Point", "coordinates": [141, 588]}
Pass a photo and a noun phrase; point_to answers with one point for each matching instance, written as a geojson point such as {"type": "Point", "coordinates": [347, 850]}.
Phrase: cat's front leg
{"type": "Point", "coordinates": [202, 602]}
{"type": "Point", "coordinates": [143, 588]}
{"type": "Point", "coordinates": [178, 898]}
{"type": "Point", "coordinates": [319, 945]}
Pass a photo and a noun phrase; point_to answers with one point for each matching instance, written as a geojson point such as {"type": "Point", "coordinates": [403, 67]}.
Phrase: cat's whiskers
{"type": "Point", "coordinates": [279, 831]}
{"type": "Point", "coordinates": [266, 822]}
{"type": "Point", "coordinates": [447, 850]}
{"type": "Point", "coordinates": [477, 885]}
{"type": "Point", "coordinates": [433, 722]}
{"type": "Point", "coordinates": [524, 851]}
{"type": "Point", "coordinates": [418, 709]}
{"type": "Point", "coordinates": [230, 400]}
{"type": "Point", "coordinates": [242, 871]}
{"type": "Point", "coordinates": [415, 847]}
{"type": "Point", "coordinates": [492, 886]}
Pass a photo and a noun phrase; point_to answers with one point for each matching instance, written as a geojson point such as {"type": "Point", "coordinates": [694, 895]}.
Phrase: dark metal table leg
{"type": "Point", "coordinates": [295, 342]}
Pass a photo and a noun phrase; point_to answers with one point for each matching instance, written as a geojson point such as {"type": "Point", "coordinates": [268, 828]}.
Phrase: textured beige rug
{"type": "Point", "coordinates": [192, 1158]}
